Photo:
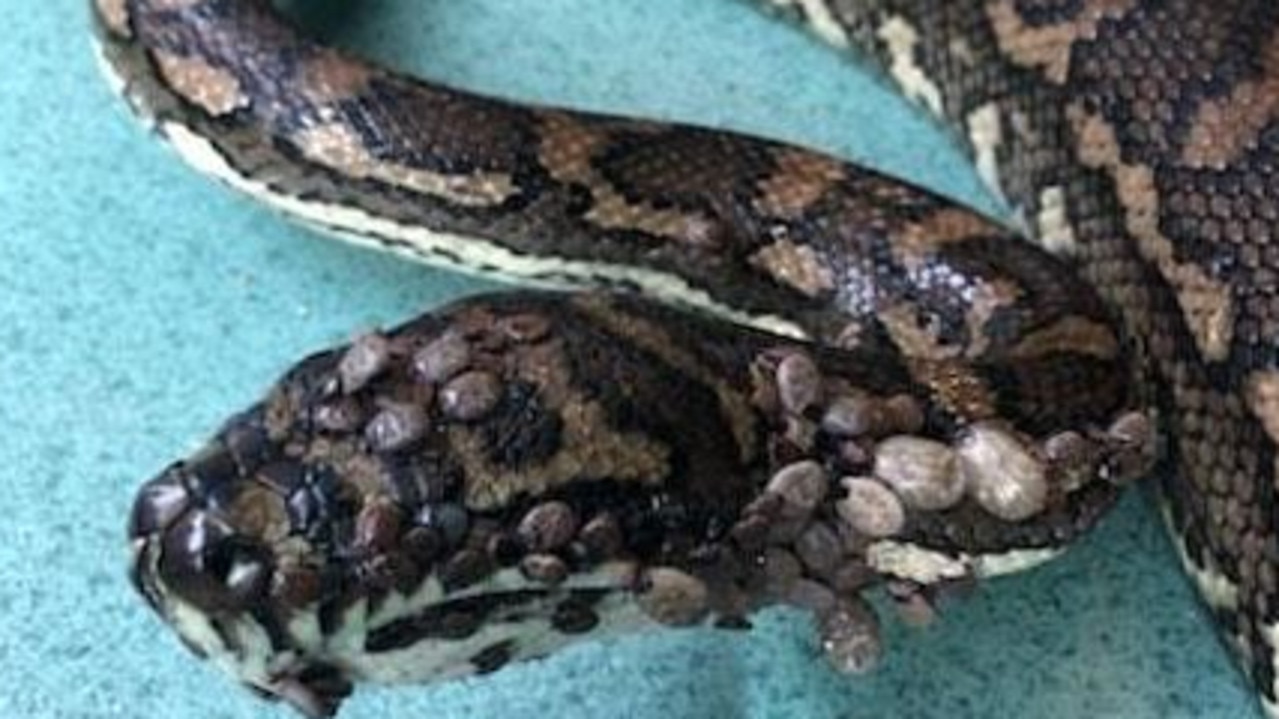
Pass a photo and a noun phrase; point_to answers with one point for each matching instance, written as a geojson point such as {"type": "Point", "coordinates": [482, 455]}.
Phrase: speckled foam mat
{"type": "Point", "coordinates": [140, 303]}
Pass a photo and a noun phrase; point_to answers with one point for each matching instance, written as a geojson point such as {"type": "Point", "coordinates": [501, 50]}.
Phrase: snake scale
{"type": "Point", "coordinates": [777, 377]}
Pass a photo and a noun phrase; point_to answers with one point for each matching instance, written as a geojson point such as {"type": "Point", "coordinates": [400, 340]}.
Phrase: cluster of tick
{"type": "Point", "coordinates": [391, 547]}
{"type": "Point", "coordinates": [337, 490]}
{"type": "Point", "coordinates": [813, 525]}
{"type": "Point", "coordinates": [547, 542]}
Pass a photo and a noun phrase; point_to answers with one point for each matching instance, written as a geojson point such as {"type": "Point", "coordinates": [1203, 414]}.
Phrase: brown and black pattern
{"type": "Point", "coordinates": [762, 228]}
{"type": "Point", "coordinates": [962, 395]}
{"type": "Point", "coordinates": [1158, 123]}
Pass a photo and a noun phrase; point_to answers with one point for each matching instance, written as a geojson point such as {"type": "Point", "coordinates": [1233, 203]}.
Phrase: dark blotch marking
{"type": "Point", "coordinates": [1042, 395]}
{"type": "Point", "coordinates": [493, 657]}
{"type": "Point", "coordinates": [704, 456]}
{"type": "Point", "coordinates": [468, 133]}
{"type": "Point", "coordinates": [459, 624]}
{"type": "Point", "coordinates": [713, 172]}
{"type": "Point", "coordinates": [456, 619]}
{"type": "Point", "coordinates": [574, 616]}
{"type": "Point", "coordinates": [519, 430]}
{"type": "Point", "coordinates": [328, 685]}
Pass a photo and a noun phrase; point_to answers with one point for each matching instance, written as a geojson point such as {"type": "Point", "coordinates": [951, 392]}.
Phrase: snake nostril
{"type": "Point", "coordinates": [208, 564]}
{"type": "Point", "coordinates": [158, 504]}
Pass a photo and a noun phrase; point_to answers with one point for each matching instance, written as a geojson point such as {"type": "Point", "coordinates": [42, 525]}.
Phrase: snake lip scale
{"type": "Point", "coordinates": [739, 372]}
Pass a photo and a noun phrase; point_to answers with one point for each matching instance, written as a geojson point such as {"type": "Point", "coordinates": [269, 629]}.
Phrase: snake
{"type": "Point", "coordinates": [733, 373]}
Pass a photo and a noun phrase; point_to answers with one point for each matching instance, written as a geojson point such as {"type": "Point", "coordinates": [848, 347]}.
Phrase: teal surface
{"type": "Point", "coordinates": [139, 304]}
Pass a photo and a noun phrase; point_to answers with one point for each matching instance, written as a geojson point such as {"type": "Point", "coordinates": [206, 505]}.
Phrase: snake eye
{"type": "Point", "coordinates": [204, 561]}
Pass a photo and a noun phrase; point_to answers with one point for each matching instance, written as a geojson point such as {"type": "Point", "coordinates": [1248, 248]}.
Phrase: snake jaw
{"type": "Point", "coordinates": [316, 692]}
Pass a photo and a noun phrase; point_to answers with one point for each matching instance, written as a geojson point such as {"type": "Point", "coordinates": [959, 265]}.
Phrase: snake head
{"type": "Point", "coordinates": [216, 579]}
{"type": "Point", "coordinates": [427, 503]}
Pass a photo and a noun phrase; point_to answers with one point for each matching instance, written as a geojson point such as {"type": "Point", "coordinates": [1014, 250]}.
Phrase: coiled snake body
{"type": "Point", "coordinates": [782, 378]}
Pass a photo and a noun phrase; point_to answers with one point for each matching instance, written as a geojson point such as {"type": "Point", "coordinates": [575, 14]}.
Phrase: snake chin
{"type": "Point", "coordinates": [312, 662]}
{"type": "Point", "coordinates": [233, 641]}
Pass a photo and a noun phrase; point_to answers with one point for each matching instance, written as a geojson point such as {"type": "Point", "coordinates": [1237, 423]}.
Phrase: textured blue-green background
{"type": "Point", "coordinates": [139, 304]}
